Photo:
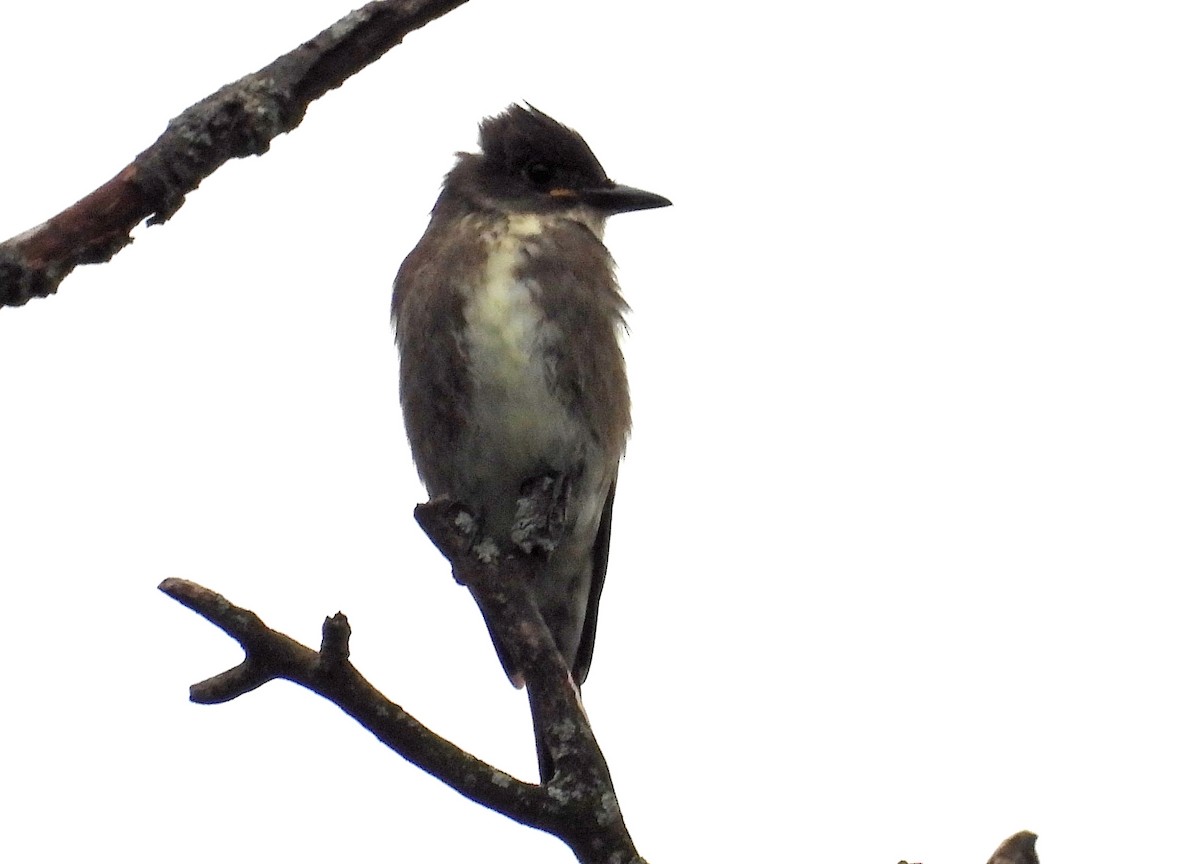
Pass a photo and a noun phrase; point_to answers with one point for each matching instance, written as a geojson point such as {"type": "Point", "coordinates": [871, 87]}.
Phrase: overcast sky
{"type": "Point", "coordinates": [906, 543]}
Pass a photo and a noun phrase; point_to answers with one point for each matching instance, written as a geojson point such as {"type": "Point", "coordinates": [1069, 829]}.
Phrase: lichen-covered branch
{"type": "Point", "coordinates": [240, 119]}
{"type": "Point", "coordinates": [499, 588]}
{"type": "Point", "coordinates": [578, 804]}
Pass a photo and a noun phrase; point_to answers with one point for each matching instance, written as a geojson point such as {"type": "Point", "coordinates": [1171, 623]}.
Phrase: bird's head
{"type": "Point", "coordinates": [531, 163]}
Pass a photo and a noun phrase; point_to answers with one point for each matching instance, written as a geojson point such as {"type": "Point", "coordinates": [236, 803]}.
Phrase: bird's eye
{"type": "Point", "coordinates": [539, 173]}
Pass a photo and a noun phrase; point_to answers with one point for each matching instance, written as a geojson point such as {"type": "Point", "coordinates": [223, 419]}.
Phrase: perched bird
{"type": "Point", "coordinates": [511, 377]}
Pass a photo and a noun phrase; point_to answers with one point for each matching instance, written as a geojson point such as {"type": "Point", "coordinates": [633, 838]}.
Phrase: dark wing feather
{"type": "Point", "coordinates": [587, 641]}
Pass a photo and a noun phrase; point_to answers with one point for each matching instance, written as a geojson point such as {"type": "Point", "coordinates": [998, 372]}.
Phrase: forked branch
{"type": "Point", "coordinates": [578, 804]}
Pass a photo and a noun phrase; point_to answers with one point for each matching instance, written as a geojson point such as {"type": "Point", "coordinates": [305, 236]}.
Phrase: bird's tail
{"type": "Point", "coordinates": [541, 737]}
{"type": "Point", "coordinates": [545, 762]}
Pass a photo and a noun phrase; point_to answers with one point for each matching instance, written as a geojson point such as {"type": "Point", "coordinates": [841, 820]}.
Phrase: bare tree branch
{"type": "Point", "coordinates": [328, 673]}
{"type": "Point", "coordinates": [238, 120]}
{"type": "Point", "coordinates": [578, 805]}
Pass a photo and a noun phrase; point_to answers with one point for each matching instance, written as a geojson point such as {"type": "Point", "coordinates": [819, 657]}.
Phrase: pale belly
{"type": "Point", "coordinates": [519, 425]}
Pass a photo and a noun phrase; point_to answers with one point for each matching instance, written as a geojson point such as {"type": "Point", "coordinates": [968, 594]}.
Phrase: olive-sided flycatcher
{"type": "Point", "coordinates": [506, 315]}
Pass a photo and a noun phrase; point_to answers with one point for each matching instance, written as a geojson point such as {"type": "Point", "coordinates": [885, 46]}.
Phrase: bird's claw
{"type": "Point", "coordinates": [541, 513]}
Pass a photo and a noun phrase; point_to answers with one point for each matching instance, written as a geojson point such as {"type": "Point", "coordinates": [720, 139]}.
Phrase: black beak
{"type": "Point", "coordinates": [614, 198]}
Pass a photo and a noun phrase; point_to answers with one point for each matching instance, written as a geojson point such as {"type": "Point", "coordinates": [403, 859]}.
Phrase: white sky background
{"type": "Point", "coordinates": [904, 553]}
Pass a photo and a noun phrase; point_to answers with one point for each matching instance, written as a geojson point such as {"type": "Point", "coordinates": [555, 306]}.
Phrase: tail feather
{"type": "Point", "coordinates": [545, 760]}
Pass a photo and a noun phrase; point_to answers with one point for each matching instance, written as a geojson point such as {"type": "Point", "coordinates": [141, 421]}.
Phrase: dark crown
{"type": "Point", "coordinates": [522, 139]}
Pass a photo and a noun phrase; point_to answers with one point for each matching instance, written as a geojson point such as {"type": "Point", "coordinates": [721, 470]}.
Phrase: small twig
{"type": "Point", "coordinates": [238, 120]}
{"type": "Point", "coordinates": [328, 673]}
